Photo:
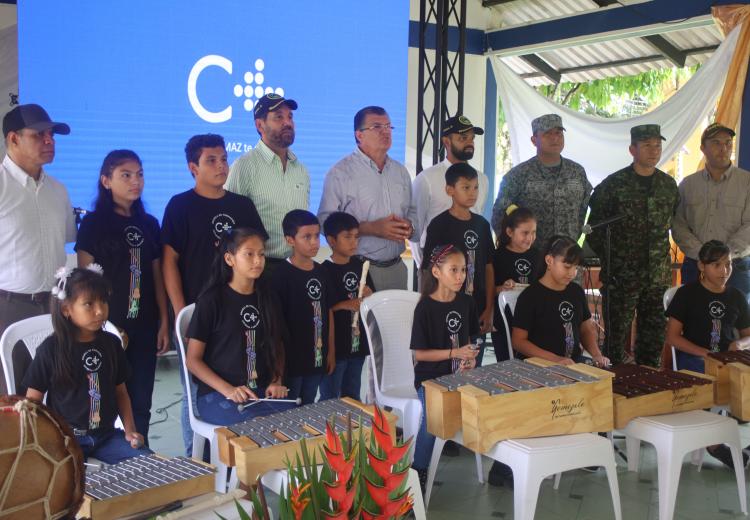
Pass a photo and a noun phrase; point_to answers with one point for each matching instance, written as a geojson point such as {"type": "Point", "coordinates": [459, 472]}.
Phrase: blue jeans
{"type": "Point", "coordinates": [217, 409]}
{"type": "Point", "coordinates": [305, 387]}
{"type": "Point", "coordinates": [740, 278]}
{"type": "Point", "coordinates": [689, 362]}
{"type": "Point", "coordinates": [141, 354]}
{"type": "Point", "coordinates": [346, 380]}
{"type": "Point", "coordinates": [425, 440]}
{"type": "Point", "coordinates": [109, 445]}
{"type": "Point", "coordinates": [187, 430]}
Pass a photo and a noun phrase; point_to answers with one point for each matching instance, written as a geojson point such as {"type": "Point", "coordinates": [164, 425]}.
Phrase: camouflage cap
{"type": "Point", "coordinates": [459, 125]}
{"type": "Point", "coordinates": [713, 129]}
{"type": "Point", "coordinates": [546, 122]}
{"type": "Point", "coordinates": [643, 132]}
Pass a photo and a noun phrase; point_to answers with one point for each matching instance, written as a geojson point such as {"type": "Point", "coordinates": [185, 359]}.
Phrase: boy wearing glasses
{"type": "Point", "coordinates": [376, 190]}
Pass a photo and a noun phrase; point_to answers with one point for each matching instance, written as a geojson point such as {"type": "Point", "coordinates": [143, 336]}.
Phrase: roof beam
{"type": "Point", "coordinates": [663, 45]}
{"type": "Point", "coordinates": [490, 3]}
{"type": "Point", "coordinates": [542, 66]}
{"type": "Point", "coordinates": [602, 24]}
{"type": "Point", "coordinates": [619, 63]}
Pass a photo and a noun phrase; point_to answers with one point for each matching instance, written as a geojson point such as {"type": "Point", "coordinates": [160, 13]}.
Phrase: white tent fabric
{"type": "Point", "coordinates": [8, 72]}
{"type": "Point", "coordinates": [599, 144]}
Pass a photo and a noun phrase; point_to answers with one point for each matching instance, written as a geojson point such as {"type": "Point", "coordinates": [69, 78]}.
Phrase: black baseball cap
{"type": "Point", "coordinates": [31, 116]}
{"type": "Point", "coordinates": [271, 102]}
{"type": "Point", "coordinates": [459, 125]}
{"type": "Point", "coordinates": [713, 129]}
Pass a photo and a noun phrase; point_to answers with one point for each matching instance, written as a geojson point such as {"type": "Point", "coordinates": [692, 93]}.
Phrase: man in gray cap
{"type": "Point", "coordinates": [428, 189]}
{"type": "Point", "coordinates": [556, 189]}
{"type": "Point", "coordinates": [271, 175]}
{"type": "Point", "coordinates": [715, 205]}
{"type": "Point", "coordinates": [36, 218]}
{"type": "Point", "coordinates": [646, 199]}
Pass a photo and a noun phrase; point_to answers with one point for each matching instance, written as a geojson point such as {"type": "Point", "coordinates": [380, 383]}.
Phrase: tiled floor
{"type": "Point", "coordinates": [703, 495]}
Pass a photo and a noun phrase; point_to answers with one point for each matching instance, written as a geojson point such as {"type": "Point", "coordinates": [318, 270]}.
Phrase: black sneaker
{"type": "Point", "coordinates": [724, 454]}
{"type": "Point", "coordinates": [500, 475]}
{"type": "Point", "coordinates": [450, 449]}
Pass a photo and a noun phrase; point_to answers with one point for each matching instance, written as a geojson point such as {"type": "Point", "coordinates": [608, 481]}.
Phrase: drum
{"type": "Point", "coordinates": [41, 464]}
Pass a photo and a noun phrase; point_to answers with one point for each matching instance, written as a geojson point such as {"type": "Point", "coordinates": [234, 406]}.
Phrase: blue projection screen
{"type": "Point", "coordinates": [147, 75]}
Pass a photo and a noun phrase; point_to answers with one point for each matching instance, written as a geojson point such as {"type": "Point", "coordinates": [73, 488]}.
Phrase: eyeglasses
{"type": "Point", "coordinates": [379, 128]}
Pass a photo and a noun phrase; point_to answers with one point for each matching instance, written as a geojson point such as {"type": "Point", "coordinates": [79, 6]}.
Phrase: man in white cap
{"type": "Point", "coordinates": [36, 217]}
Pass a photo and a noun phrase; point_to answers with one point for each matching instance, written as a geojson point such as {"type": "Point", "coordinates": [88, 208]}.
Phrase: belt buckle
{"type": "Point", "coordinates": [79, 433]}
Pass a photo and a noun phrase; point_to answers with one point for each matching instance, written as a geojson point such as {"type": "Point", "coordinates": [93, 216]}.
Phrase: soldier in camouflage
{"type": "Point", "coordinates": [640, 263]}
{"type": "Point", "coordinates": [556, 189]}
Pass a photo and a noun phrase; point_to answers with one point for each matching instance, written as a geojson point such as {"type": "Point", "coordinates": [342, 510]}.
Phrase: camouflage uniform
{"type": "Point", "coordinates": [559, 202]}
{"type": "Point", "coordinates": [640, 260]}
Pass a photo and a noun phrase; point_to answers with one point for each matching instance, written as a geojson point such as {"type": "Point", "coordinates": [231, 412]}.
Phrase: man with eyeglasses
{"type": "Point", "coordinates": [715, 205]}
{"type": "Point", "coordinates": [271, 175]}
{"type": "Point", "coordinates": [375, 189]}
{"type": "Point", "coordinates": [555, 188]}
{"type": "Point", "coordinates": [36, 219]}
{"type": "Point", "coordinates": [428, 189]}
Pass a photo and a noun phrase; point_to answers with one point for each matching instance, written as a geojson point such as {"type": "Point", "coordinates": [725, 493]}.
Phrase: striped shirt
{"type": "Point", "coordinates": [260, 176]}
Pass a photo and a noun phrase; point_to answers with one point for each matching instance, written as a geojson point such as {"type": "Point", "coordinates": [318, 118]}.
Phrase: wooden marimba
{"type": "Point", "coordinates": [265, 443]}
{"type": "Point", "coordinates": [641, 391]}
{"type": "Point", "coordinates": [143, 483]}
{"type": "Point", "coordinates": [732, 372]}
{"type": "Point", "coordinates": [516, 399]}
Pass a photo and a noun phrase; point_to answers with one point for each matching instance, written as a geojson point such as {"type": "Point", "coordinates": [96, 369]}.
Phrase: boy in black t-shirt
{"type": "Point", "coordinates": [192, 225]}
{"type": "Point", "coordinates": [301, 286]}
{"type": "Point", "coordinates": [344, 273]}
{"type": "Point", "coordinates": [471, 234]}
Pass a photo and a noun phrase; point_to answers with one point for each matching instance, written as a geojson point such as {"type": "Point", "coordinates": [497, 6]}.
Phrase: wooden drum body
{"type": "Point", "coordinates": [41, 464]}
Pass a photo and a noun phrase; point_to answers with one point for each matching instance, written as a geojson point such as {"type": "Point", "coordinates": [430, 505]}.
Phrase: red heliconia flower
{"type": "Point", "coordinates": [341, 515]}
{"type": "Point", "coordinates": [394, 506]}
{"type": "Point", "coordinates": [379, 494]}
{"type": "Point", "coordinates": [394, 480]}
{"type": "Point", "coordinates": [298, 503]}
{"type": "Point", "coordinates": [381, 466]}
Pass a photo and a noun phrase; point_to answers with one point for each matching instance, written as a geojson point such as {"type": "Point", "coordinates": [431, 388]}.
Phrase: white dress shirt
{"type": "Point", "coordinates": [36, 220]}
{"type": "Point", "coordinates": [430, 199]}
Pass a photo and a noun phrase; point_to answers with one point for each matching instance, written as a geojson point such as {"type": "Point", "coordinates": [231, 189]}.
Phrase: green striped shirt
{"type": "Point", "coordinates": [260, 176]}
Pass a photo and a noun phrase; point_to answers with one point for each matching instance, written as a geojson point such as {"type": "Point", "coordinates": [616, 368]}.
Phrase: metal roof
{"type": "Point", "coordinates": [620, 56]}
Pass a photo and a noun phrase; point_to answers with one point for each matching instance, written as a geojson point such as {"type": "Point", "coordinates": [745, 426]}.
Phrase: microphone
{"type": "Point", "coordinates": [589, 228]}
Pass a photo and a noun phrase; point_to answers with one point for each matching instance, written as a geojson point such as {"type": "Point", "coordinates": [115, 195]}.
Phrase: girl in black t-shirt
{"type": "Point", "coordinates": [121, 237]}
{"type": "Point", "coordinates": [705, 315]}
{"type": "Point", "coordinates": [515, 264]}
{"type": "Point", "coordinates": [552, 318]}
{"type": "Point", "coordinates": [444, 320]}
{"type": "Point", "coordinates": [235, 348]}
{"type": "Point", "coordinates": [83, 369]}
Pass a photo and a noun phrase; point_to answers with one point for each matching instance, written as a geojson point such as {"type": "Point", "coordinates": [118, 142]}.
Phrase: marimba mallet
{"type": "Point", "coordinates": [242, 406]}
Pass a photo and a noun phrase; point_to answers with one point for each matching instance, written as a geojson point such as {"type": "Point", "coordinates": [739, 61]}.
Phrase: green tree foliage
{"type": "Point", "coordinates": [619, 96]}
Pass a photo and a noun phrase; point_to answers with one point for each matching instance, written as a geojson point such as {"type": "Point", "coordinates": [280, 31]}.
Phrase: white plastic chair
{"type": "Point", "coordinates": [202, 431]}
{"type": "Point", "coordinates": [533, 460]}
{"type": "Point", "coordinates": [391, 314]}
{"type": "Point", "coordinates": [31, 331]}
{"type": "Point", "coordinates": [675, 435]}
{"type": "Point", "coordinates": [509, 299]}
{"type": "Point", "coordinates": [437, 450]}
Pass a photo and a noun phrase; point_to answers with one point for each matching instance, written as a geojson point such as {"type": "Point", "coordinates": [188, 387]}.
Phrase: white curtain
{"type": "Point", "coordinates": [599, 144]}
